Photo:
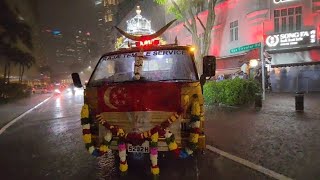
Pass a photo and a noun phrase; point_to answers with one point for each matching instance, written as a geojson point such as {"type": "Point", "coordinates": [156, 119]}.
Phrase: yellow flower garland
{"type": "Point", "coordinates": [123, 167]}
{"type": "Point", "coordinates": [155, 170]}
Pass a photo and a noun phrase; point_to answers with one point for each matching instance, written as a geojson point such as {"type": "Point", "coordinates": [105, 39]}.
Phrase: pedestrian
{"type": "Point", "coordinates": [258, 76]}
{"type": "Point", "coordinates": [222, 77]}
{"type": "Point", "coordinates": [245, 76]}
{"type": "Point", "coordinates": [241, 75]}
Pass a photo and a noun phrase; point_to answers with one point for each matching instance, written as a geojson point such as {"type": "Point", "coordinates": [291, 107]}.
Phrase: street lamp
{"type": "Point", "coordinates": [253, 63]}
{"type": "Point", "coordinates": [192, 49]}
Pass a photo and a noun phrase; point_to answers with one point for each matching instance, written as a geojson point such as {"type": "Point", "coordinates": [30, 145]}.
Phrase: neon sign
{"type": "Point", "coordinates": [148, 43]}
{"type": "Point", "coordinates": [291, 39]}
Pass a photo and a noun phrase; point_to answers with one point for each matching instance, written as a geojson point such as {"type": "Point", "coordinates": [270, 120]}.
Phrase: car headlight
{"type": "Point", "coordinates": [57, 91]}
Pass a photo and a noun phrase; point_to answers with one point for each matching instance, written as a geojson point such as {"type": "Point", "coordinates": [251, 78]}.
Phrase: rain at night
{"type": "Point", "coordinates": [160, 89]}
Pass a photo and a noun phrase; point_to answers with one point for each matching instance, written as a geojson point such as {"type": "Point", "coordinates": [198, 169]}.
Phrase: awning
{"type": "Point", "coordinates": [297, 58]}
{"type": "Point", "coordinates": [232, 64]}
{"type": "Point", "coordinates": [296, 64]}
{"type": "Point", "coordinates": [228, 71]}
{"type": "Point", "coordinates": [295, 49]}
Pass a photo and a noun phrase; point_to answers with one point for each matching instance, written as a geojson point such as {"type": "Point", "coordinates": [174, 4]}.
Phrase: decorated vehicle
{"type": "Point", "coordinates": [145, 99]}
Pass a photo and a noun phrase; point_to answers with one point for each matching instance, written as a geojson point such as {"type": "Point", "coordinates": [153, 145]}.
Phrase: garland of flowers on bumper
{"type": "Point", "coordinates": [194, 133]}
{"type": "Point", "coordinates": [87, 136]}
{"type": "Point", "coordinates": [139, 138]}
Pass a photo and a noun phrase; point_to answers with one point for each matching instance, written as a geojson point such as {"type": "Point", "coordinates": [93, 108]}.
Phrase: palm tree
{"type": "Point", "coordinates": [23, 60]}
{"type": "Point", "coordinates": [15, 40]}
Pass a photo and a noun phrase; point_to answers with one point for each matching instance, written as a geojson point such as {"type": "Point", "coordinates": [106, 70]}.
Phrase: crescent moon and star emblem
{"type": "Point", "coordinates": [115, 97]}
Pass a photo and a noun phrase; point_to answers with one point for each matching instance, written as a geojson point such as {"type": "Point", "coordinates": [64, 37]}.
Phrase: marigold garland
{"type": "Point", "coordinates": [194, 132]}
{"type": "Point", "coordinates": [138, 138]}
{"type": "Point", "coordinates": [123, 156]}
{"type": "Point", "coordinates": [87, 136]}
{"type": "Point", "coordinates": [154, 154]}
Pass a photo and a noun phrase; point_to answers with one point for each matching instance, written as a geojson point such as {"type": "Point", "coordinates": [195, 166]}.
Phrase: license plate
{"type": "Point", "coordinates": [144, 148]}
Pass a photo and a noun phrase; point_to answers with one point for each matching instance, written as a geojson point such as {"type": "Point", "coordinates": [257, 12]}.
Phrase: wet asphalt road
{"type": "Point", "coordinates": [275, 137]}
{"type": "Point", "coordinates": [47, 144]}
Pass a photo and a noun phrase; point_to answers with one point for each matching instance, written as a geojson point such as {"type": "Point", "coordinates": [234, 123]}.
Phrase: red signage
{"type": "Point", "coordinates": [148, 43]}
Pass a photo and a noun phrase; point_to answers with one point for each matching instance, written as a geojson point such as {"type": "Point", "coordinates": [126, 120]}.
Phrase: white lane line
{"type": "Point", "coordinates": [249, 164]}
{"type": "Point", "coordinates": [4, 128]}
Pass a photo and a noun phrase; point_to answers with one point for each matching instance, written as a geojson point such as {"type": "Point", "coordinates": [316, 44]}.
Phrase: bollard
{"type": "Point", "coordinates": [258, 100]}
{"type": "Point", "coordinates": [299, 101]}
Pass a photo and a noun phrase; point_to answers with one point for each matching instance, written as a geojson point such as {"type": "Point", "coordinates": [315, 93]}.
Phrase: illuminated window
{"type": "Point", "coordinates": [234, 31]}
{"type": "Point", "coordinates": [108, 17]}
{"type": "Point", "coordinates": [289, 19]}
{"type": "Point", "coordinates": [112, 2]}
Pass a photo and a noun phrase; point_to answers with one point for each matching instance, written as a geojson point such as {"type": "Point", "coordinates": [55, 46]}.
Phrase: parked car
{"type": "Point", "coordinates": [37, 89]}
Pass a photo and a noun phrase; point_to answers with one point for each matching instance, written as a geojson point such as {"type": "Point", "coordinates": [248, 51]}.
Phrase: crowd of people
{"type": "Point", "coordinates": [241, 75]}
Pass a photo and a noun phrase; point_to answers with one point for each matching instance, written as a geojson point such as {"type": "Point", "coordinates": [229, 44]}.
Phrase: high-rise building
{"type": "Point", "coordinates": [106, 11]}
{"type": "Point", "coordinates": [82, 50]}
{"type": "Point", "coordinates": [75, 49]}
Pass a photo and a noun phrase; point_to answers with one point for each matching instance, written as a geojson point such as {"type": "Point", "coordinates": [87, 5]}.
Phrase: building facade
{"type": "Point", "coordinates": [106, 16]}
{"type": "Point", "coordinates": [289, 31]}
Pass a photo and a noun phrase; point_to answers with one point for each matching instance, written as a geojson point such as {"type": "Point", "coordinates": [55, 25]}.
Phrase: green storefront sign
{"type": "Point", "coordinates": [245, 48]}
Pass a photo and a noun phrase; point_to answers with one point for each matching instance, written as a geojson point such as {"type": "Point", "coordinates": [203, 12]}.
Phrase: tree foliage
{"type": "Point", "coordinates": [15, 41]}
{"type": "Point", "coordinates": [187, 11]}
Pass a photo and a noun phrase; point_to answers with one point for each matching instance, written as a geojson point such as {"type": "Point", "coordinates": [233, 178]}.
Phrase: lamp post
{"type": "Point", "coordinates": [263, 64]}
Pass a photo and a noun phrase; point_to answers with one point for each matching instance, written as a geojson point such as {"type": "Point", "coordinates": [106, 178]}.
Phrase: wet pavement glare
{"type": "Point", "coordinates": [47, 144]}
{"type": "Point", "coordinates": [275, 137]}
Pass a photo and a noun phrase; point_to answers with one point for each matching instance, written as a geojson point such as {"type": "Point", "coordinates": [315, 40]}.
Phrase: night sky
{"type": "Point", "coordinates": [68, 15]}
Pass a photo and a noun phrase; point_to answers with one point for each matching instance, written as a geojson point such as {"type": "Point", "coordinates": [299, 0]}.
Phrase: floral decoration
{"type": "Point", "coordinates": [138, 63]}
{"type": "Point", "coordinates": [87, 136]}
{"type": "Point", "coordinates": [151, 135]}
{"type": "Point", "coordinates": [154, 154]}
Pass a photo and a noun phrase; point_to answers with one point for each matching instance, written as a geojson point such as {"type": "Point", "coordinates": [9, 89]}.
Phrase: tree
{"type": "Point", "coordinates": [25, 60]}
{"type": "Point", "coordinates": [187, 11]}
{"type": "Point", "coordinates": [15, 41]}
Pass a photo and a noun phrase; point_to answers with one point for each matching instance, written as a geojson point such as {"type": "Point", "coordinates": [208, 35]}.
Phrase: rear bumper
{"type": "Point", "coordinates": [162, 145]}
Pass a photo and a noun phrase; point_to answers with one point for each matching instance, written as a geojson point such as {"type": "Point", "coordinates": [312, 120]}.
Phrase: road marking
{"type": "Point", "coordinates": [4, 128]}
{"type": "Point", "coordinates": [249, 164]}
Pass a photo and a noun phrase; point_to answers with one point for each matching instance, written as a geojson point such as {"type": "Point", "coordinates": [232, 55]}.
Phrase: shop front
{"type": "Point", "coordinates": [295, 63]}
{"type": "Point", "coordinates": [240, 63]}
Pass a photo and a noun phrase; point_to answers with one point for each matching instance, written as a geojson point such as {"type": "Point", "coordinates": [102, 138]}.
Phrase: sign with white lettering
{"type": "Point", "coordinates": [291, 39]}
{"type": "Point", "coordinates": [245, 48]}
{"type": "Point", "coordinates": [281, 1]}
{"type": "Point", "coordinates": [149, 54]}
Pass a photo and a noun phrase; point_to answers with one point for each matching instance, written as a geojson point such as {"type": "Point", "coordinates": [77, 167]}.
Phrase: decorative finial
{"type": "Point", "coordinates": [138, 10]}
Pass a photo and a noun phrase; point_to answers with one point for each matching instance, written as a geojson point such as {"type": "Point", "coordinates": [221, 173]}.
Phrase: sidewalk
{"type": "Point", "coordinates": [14, 109]}
{"type": "Point", "coordinates": [275, 137]}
